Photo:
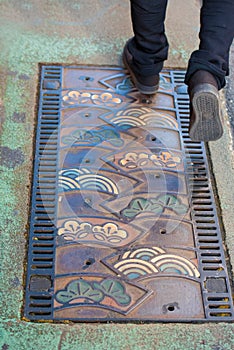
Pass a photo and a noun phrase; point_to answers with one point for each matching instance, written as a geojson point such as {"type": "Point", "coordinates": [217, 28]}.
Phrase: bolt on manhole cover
{"type": "Point", "coordinates": [123, 219]}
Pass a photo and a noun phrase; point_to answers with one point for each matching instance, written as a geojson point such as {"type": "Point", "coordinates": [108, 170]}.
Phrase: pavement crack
{"type": "Point", "coordinates": [62, 336]}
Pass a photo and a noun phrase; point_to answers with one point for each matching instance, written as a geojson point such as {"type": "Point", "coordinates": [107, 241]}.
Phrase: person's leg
{"type": "Point", "coordinates": [145, 53]}
{"type": "Point", "coordinates": [207, 69]}
{"type": "Point", "coordinates": [149, 45]}
{"type": "Point", "coordinates": [216, 35]}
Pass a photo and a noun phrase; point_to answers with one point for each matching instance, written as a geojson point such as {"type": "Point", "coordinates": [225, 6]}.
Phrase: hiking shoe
{"type": "Point", "coordinates": [147, 85]}
{"type": "Point", "coordinates": [205, 115]}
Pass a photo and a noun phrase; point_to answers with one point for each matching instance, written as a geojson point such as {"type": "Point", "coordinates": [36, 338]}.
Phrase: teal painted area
{"type": "Point", "coordinates": [24, 336]}
{"type": "Point", "coordinates": [143, 337]}
{"type": "Point", "coordinates": [62, 31]}
{"type": "Point", "coordinates": [181, 52]}
{"type": "Point", "coordinates": [17, 97]}
{"type": "Point", "coordinates": [12, 242]}
{"type": "Point", "coordinates": [31, 48]}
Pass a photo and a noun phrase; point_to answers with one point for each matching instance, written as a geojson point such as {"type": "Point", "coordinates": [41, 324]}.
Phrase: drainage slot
{"type": "Point", "coordinates": [218, 299]}
{"type": "Point", "coordinates": [49, 224]}
{"type": "Point", "coordinates": [221, 314]}
{"type": "Point", "coordinates": [205, 221]}
{"type": "Point", "coordinates": [211, 254]}
{"type": "Point", "coordinates": [42, 259]}
{"type": "Point", "coordinates": [42, 266]}
{"type": "Point", "coordinates": [44, 245]}
{"type": "Point", "coordinates": [213, 268]}
{"type": "Point", "coordinates": [202, 205]}
{"type": "Point", "coordinates": [204, 234]}
{"type": "Point", "coordinates": [207, 228]}
{"type": "Point", "coordinates": [40, 313]}
{"type": "Point", "coordinates": [40, 305]}
{"type": "Point", "coordinates": [44, 252]}
{"type": "Point", "coordinates": [209, 241]}
{"type": "Point", "coordinates": [45, 211]}
{"type": "Point", "coordinates": [38, 237]}
{"type": "Point", "coordinates": [215, 261]}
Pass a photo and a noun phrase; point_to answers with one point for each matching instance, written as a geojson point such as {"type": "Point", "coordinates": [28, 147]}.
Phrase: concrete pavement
{"type": "Point", "coordinates": [82, 32]}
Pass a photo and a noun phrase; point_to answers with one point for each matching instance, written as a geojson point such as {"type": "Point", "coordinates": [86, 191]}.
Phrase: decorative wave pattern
{"type": "Point", "coordinates": [143, 262]}
{"type": "Point", "coordinates": [142, 116]}
{"type": "Point", "coordinates": [84, 179]}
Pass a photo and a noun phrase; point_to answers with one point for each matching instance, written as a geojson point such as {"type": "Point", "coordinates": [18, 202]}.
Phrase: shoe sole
{"type": "Point", "coordinates": [146, 90]}
{"type": "Point", "coordinates": [206, 125]}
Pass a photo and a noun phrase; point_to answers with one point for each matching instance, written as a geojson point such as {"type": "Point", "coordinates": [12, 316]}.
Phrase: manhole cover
{"type": "Point", "coordinates": [123, 219]}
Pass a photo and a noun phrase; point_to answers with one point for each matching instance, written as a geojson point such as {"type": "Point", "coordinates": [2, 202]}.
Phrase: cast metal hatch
{"type": "Point", "coordinates": [123, 219]}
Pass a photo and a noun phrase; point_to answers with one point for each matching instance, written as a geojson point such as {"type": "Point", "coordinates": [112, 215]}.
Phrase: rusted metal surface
{"type": "Point", "coordinates": [123, 219]}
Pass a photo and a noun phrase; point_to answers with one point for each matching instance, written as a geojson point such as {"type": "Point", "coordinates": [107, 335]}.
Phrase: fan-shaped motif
{"type": "Point", "coordinates": [167, 262]}
{"type": "Point", "coordinates": [75, 179]}
{"type": "Point", "coordinates": [145, 261]}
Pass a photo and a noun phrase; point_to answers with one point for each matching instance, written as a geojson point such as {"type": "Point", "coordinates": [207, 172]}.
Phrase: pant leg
{"type": "Point", "coordinates": [216, 35]}
{"type": "Point", "coordinates": [149, 46]}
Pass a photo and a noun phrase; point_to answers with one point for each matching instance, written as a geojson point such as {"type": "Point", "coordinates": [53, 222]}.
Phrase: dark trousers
{"type": "Point", "coordinates": [149, 45]}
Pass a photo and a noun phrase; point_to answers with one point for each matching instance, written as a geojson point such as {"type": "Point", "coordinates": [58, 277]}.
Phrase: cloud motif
{"type": "Point", "coordinates": [104, 99]}
{"type": "Point", "coordinates": [73, 230]}
{"type": "Point", "coordinates": [76, 97]}
{"type": "Point", "coordinates": [133, 160]}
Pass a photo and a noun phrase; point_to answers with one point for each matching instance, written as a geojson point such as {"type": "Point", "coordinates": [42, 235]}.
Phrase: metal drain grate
{"type": "Point", "coordinates": [208, 239]}
{"type": "Point", "coordinates": [123, 219]}
{"type": "Point", "coordinates": [43, 212]}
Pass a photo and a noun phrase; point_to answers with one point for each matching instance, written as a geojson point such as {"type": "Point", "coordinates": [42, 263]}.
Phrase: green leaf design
{"type": "Point", "coordinates": [116, 142]}
{"type": "Point", "coordinates": [180, 209]}
{"type": "Point", "coordinates": [82, 135]}
{"type": "Point", "coordinates": [115, 290]}
{"type": "Point", "coordinates": [156, 207]}
{"type": "Point", "coordinates": [92, 136]}
{"type": "Point", "coordinates": [130, 213]}
{"type": "Point", "coordinates": [173, 203]}
{"type": "Point", "coordinates": [137, 206]}
{"type": "Point", "coordinates": [79, 289]}
{"type": "Point", "coordinates": [112, 136]}
{"type": "Point", "coordinates": [68, 140]}
{"type": "Point", "coordinates": [109, 133]}
{"type": "Point", "coordinates": [168, 200]}
{"type": "Point", "coordinates": [79, 134]}
{"type": "Point", "coordinates": [140, 205]}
